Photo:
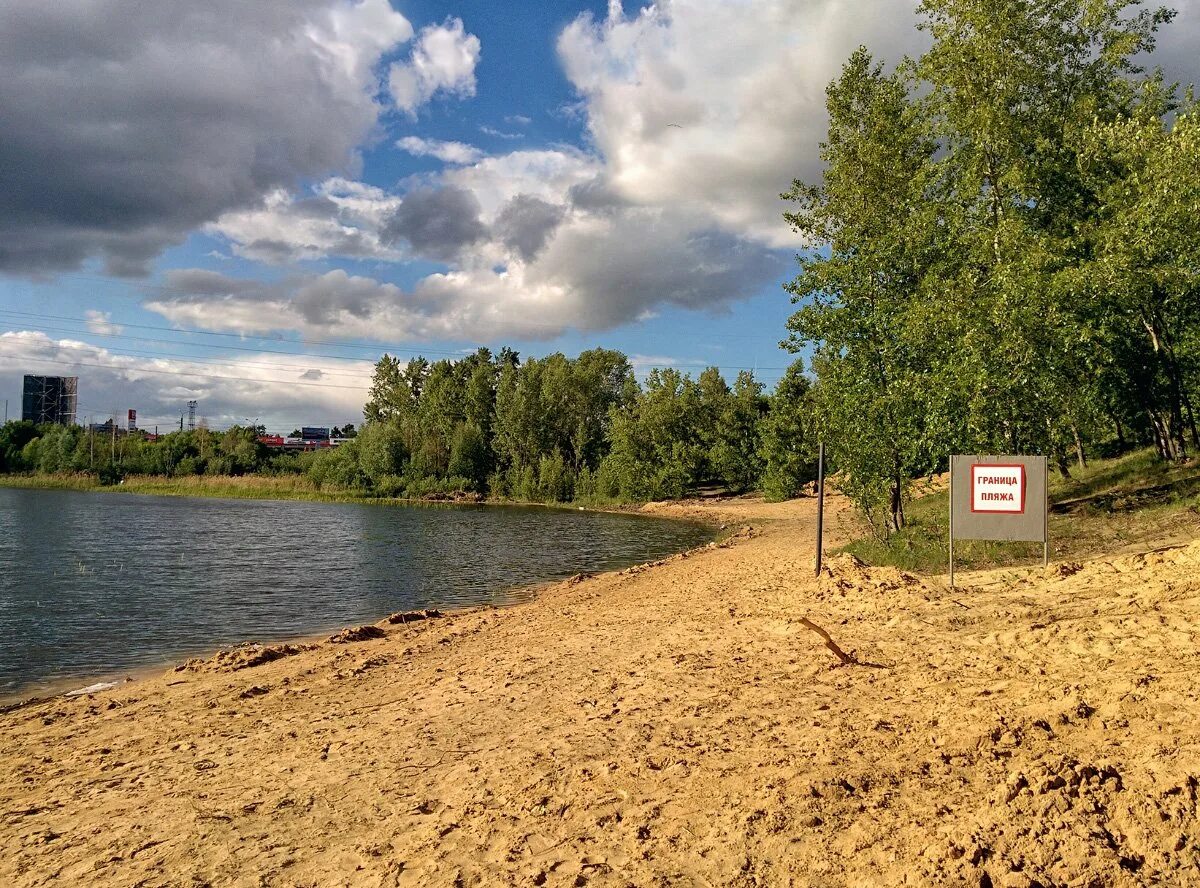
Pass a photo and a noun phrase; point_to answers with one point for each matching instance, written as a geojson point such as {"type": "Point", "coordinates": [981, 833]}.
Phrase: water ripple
{"type": "Point", "coordinates": [97, 583]}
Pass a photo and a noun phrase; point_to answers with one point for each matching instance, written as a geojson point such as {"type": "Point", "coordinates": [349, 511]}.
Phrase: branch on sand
{"type": "Point", "coordinates": [845, 658]}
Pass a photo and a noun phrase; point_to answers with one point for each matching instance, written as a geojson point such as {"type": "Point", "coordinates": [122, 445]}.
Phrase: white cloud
{"type": "Point", "coordinates": [281, 391]}
{"type": "Point", "coordinates": [99, 322]}
{"type": "Point", "coordinates": [549, 174]}
{"type": "Point", "coordinates": [448, 152]}
{"type": "Point", "coordinates": [338, 218]}
{"type": "Point", "coordinates": [443, 61]}
{"type": "Point", "coordinates": [718, 105]}
{"type": "Point", "coordinates": [699, 113]}
{"type": "Point", "coordinates": [500, 134]}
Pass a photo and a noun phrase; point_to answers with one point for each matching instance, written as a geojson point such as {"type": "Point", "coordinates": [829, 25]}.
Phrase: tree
{"type": "Point", "coordinates": [1144, 280]}
{"type": "Point", "coordinates": [860, 302]}
{"type": "Point", "coordinates": [788, 448]}
{"type": "Point", "coordinates": [469, 455]}
{"type": "Point", "coordinates": [14, 435]}
{"type": "Point", "coordinates": [380, 450]}
{"type": "Point", "coordinates": [1011, 88]}
{"type": "Point", "coordinates": [390, 396]}
{"type": "Point", "coordinates": [656, 452]}
{"type": "Point", "coordinates": [736, 454]}
{"type": "Point", "coordinates": [242, 450]}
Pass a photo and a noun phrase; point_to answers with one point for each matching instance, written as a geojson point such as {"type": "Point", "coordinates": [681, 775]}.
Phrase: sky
{"type": "Point", "coordinates": [246, 204]}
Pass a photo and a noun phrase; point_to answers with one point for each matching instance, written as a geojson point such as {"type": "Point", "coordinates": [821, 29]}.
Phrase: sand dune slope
{"type": "Point", "coordinates": [670, 725]}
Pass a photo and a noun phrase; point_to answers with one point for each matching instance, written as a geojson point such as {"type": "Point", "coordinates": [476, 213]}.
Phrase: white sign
{"type": "Point", "coordinates": [998, 488]}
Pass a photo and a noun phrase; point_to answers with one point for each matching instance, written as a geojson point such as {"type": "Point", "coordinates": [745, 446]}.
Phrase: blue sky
{"type": "Point", "coordinates": [246, 204]}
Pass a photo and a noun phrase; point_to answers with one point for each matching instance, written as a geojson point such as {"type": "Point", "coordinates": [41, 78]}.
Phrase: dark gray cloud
{"type": "Point", "coordinates": [642, 260]}
{"type": "Point", "coordinates": [317, 300]}
{"type": "Point", "coordinates": [525, 223]}
{"type": "Point", "coordinates": [195, 282]}
{"type": "Point", "coordinates": [438, 223]}
{"type": "Point", "coordinates": [332, 304]}
{"type": "Point", "coordinates": [126, 125]}
{"type": "Point", "coordinates": [1178, 44]}
{"type": "Point", "coordinates": [596, 195]}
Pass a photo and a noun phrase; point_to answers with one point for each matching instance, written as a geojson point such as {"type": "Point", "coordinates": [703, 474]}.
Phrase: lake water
{"type": "Point", "coordinates": [95, 584]}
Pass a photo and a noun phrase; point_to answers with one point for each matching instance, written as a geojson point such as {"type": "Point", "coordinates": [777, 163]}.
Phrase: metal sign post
{"type": "Point", "coordinates": [952, 523]}
{"type": "Point", "coordinates": [820, 502]}
{"type": "Point", "coordinates": [1002, 498]}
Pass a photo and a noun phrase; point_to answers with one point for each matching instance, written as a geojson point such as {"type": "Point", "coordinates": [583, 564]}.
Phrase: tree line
{"type": "Point", "coordinates": [552, 429]}
{"type": "Point", "coordinates": [1006, 247]}
{"type": "Point", "coordinates": [557, 429]}
{"type": "Point", "coordinates": [64, 449]}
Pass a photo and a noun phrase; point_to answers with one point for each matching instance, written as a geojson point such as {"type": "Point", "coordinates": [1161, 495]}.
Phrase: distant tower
{"type": "Point", "coordinates": [192, 416]}
{"type": "Point", "coordinates": [50, 399]}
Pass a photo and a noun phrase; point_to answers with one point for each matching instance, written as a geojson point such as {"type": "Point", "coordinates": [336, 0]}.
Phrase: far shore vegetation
{"type": "Point", "coordinates": [543, 430]}
{"type": "Point", "coordinates": [1009, 262]}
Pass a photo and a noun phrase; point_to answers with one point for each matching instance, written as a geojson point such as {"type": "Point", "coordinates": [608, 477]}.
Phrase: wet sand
{"type": "Point", "coordinates": [676, 724]}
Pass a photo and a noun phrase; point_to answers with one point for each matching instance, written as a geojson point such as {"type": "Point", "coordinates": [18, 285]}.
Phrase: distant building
{"type": "Point", "coordinates": [50, 399]}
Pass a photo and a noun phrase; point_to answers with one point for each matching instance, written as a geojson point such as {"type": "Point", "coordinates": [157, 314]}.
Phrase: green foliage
{"type": "Point", "coordinates": [469, 456]}
{"type": "Point", "coordinates": [552, 429]}
{"type": "Point", "coordinates": [380, 449]}
{"type": "Point", "coordinates": [1011, 252]}
{"type": "Point", "coordinates": [788, 450]}
{"type": "Point", "coordinates": [861, 300]}
{"type": "Point", "coordinates": [13, 438]}
{"type": "Point", "coordinates": [338, 467]}
{"type": "Point", "coordinates": [240, 451]}
{"type": "Point", "coordinates": [736, 453]}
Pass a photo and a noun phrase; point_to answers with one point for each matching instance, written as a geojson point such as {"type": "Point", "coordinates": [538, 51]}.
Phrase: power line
{"type": "Point", "coordinates": [358, 344]}
{"type": "Point", "coordinates": [261, 350]}
{"type": "Point", "coordinates": [189, 359]}
{"type": "Point", "coordinates": [183, 291]}
{"type": "Point", "coordinates": [62, 363]}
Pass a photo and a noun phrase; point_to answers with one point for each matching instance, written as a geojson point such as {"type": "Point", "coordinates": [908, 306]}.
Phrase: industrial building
{"type": "Point", "coordinates": [50, 399]}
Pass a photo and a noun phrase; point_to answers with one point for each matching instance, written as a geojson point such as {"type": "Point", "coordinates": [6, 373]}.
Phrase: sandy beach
{"type": "Point", "coordinates": [683, 723]}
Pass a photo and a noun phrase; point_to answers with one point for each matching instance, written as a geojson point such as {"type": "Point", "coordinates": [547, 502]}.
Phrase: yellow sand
{"type": "Point", "coordinates": [669, 725]}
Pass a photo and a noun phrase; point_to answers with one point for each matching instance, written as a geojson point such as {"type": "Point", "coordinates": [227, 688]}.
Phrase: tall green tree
{"type": "Point", "coordinates": [860, 297]}
{"type": "Point", "coordinates": [736, 455]}
{"type": "Point", "coordinates": [1144, 278]}
{"type": "Point", "coordinates": [788, 446]}
{"type": "Point", "coordinates": [1011, 87]}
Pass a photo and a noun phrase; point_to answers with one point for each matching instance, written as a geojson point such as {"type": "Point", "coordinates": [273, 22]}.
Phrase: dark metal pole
{"type": "Point", "coordinates": [952, 522]}
{"type": "Point", "coordinates": [820, 502]}
{"type": "Point", "coordinates": [1046, 514]}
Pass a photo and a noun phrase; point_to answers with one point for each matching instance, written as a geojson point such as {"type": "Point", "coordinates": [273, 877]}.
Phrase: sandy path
{"type": "Point", "coordinates": [675, 725]}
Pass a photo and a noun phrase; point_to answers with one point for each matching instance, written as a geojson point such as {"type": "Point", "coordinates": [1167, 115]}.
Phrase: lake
{"type": "Point", "coordinates": [97, 584]}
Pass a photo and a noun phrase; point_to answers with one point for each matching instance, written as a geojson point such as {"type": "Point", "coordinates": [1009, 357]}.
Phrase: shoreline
{"type": "Point", "coordinates": [676, 723]}
{"type": "Point", "coordinates": [281, 488]}
{"type": "Point", "coordinates": [517, 595]}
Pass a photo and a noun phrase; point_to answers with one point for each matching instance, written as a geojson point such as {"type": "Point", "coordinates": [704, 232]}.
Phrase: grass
{"type": "Point", "coordinates": [294, 487]}
{"type": "Point", "coordinates": [1129, 503]}
{"type": "Point", "coordinates": [277, 487]}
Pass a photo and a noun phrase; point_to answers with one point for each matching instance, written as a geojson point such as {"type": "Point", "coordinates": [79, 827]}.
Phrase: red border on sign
{"type": "Point", "coordinates": [1024, 487]}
